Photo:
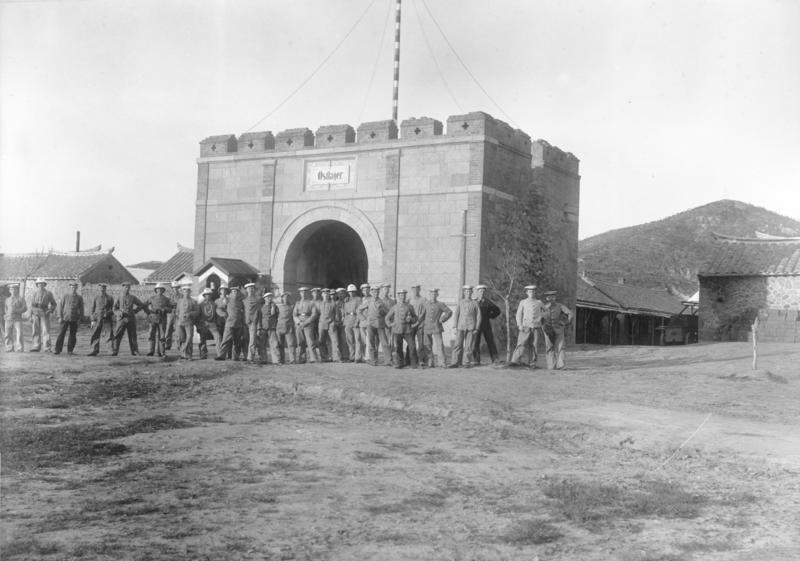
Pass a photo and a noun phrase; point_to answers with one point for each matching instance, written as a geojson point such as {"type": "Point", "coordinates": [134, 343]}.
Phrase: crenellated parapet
{"type": "Point", "coordinates": [415, 129]}
{"type": "Point", "coordinates": [545, 154]}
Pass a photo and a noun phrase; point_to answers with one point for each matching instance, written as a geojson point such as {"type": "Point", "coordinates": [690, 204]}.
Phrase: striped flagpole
{"type": "Point", "coordinates": [396, 82]}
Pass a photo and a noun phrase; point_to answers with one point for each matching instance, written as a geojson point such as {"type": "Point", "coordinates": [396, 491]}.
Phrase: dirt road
{"type": "Point", "coordinates": [132, 458]}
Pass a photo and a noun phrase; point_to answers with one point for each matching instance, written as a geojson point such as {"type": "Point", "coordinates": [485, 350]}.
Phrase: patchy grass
{"type": "Point", "coordinates": [28, 548]}
{"type": "Point", "coordinates": [414, 503]}
{"type": "Point", "coordinates": [34, 446]}
{"type": "Point", "coordinates": [532, 532]}
{"type": "Point", "coordinates": [592, 505]}
{"type": "Point", "coordinates": [370, 457]}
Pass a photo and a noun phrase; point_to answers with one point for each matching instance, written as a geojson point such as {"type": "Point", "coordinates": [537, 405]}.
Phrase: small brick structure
{"type": "Point", "coordinates": [747, 277]}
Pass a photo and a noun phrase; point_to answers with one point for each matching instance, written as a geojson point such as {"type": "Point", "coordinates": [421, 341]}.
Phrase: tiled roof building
{"type": "Point", "coordinates": [176, 266]}
{"type": "Point", "coordinates": [746, 277]}
{"type": "Point", "coordinates": [88, 267]}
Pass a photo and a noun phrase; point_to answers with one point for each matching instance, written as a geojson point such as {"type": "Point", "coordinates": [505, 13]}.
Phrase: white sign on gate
{"type": "Point", "coordinates": [335, 174]}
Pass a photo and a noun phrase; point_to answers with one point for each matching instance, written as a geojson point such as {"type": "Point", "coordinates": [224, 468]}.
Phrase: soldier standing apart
{"type": "Point", "coordinates": [252, 320]}
{"type": "Point", "coordinates": [70, 312]}
{"type": "Point", "coordinates": [125, 307]}
{"type": "Point", "coordinates": [375, 311]}
{"type": "Point", "coordinates": [173, 301]}
{"type": "Point", "coordinates": [489, 311]}
{"type": "Point", "coordinates": [403, 321]}
{"type": "Point", "coordinates": [436, 314]}
{"type": "Point", "coordinates": [418, 303]}
{"type": "Point", "coordinates": [234, 326]}
{"type": "Point", "coordinates": [185, 317]}
{"type": "Point", "coordinates": [305, 320]}
{"type": "Point", "coordinates": [222, 314]}
{"type": "Point", "coordinates": [467, 320]}
{"type": "Point", "coordinates": [555, 318]}
{"type": "Point", "coordinates": [267, 330]}
{"type": "Point", "coordinates": [102, 313]}
{"type": "Point", "coordinates": [158, 306]}
{"type": "Point", "coordinates": [363, 324]}
{"type": "Point", "coordinates": [15, 307]}
{"type": "Point", "coordinates": [328, 337]}
{"type": "Point", "coordinates": [352, 332]}
{"type": "Point", "coordinates": [42, 305]}
{"type": "Point", "coordinates": [207, 324]}
{"type": "Point", "coordinates": [529, 323]}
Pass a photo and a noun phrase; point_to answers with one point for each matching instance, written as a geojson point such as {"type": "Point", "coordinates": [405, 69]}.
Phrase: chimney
{"type": "Point", "coordinates": [78, 240]}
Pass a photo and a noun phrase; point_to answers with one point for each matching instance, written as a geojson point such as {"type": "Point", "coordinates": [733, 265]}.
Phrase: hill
{"type": "Point", "coordinates": [669, 252]}
{"type": "Point", "coordinates": [152, 265]}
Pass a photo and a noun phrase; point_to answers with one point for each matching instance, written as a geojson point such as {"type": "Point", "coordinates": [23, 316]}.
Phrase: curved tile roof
{"type": "Point", "coordinates": [753, 257]}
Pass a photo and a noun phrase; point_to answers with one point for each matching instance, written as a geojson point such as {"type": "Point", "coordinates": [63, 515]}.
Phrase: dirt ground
{"type": "Point", "coordinates": [138, 458]}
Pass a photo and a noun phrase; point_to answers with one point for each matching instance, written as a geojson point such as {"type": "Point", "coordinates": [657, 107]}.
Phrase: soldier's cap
{"type": "Point", "coordinates": [175, 284]}
{"type": "Point", "coordinates": [160, 285]}
{"type": "Point", "coordinates": [340, 289]}
{"type": "Point", "coordinates": [433, 290]}
{"type": "Point", "coordinates": [39, 281]}
{"type": "Point", "coordinates": [466, 287]}
{"type": "Point", "coordinates": [550, 292]}
{"type": "Point", "coordinates": [352, 287]}
{"type": "Point", "coordinates": [386, 285]}
{"type": "Point", "coordinates": [316, 289]}
{"type": "Point", "coordinates": [365, 285]}
{"type": "Point", "coordinates": [302, 289]}
{"type": "Point", "coordinates": [126, 283]}
{"type": "Point", "coordinates": [480, 286]}
{"type": "Point", "coordinates": [530, 287]}
{"type": "Point", "coordinates": [234, 287]}
{"type": "Point", "coordinates": [416, 285]}
{"type": "Point", "coordinates": [74, 283]}
{"type": "Point", "coordinates": [402, 291]}
{"type": "Point", "coordinates": [206, 292]}
{"type": "Point", "coordinates": [287, 294]}
{"type": "Point", "coordinates": [270, 294]}
{"type": "Point", "coordinates": [13, 285]}
{"type": "Point", "coordinates": [224, 287]}
{"type": "Point", "coordinates": [323, 290]}
{"type": "Point", "coordinates": [249, 284]}
{"type": "Point", "coordinates": [375, 287]}
{"type": "Point", "coordinates": [102, 284]}
{"type": "Point", "coordinates": [186, 287]}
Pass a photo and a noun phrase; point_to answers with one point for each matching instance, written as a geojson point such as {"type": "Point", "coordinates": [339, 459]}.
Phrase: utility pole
{"type": "Point", "coordinates": [396, 83]}
{"type": "Point", "coordinates": [463, 235]}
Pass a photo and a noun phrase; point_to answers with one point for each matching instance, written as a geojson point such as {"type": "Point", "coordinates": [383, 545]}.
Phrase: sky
{"type": "Point", "coordinates": [668, 104]}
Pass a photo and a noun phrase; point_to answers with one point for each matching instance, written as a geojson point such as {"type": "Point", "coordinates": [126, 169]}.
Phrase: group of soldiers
{"type": "Point", "coordinates": [342, 325]}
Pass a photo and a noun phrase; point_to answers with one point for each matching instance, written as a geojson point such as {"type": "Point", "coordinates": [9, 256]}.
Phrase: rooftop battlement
{"type": "Point", "coordinates": [545, 154]}
{"type": "Point", "coordinates": [413, 129]}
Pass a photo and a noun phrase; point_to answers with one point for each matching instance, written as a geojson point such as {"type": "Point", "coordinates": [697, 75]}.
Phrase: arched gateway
{"type": "Point", "coordinates": [328, 246]}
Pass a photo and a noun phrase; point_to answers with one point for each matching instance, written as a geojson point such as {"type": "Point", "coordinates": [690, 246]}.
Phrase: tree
{"type": "Point", "coordinates": [520, 251]}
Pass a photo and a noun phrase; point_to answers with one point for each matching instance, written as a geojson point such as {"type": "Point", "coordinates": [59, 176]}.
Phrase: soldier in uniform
{"type": "Point", "coordinates": [70, 312]}
{"type": "Point", "coordinates": [207, 324]}
{"type": "Point", "coordinates": [234, 326]}
{"type": "Point", "coordinates": [467, 319]}
{"type": "Point", "coordinates": [403, 321]}
{"type": "Point", "coordinates": [436, 314]}
{"type": "Point", "coordinates": [102, 313]}
{"type": "Point", "coordinates": [305, 320]}
{"type": "Point", "coordinates": [14, 308]}
{"type": "Point", "coordinates": [327, 336]}
{"type": "Point", "coordinates": [158, 306]}
{"type": "Point", "coordinates": [418, 302]}
{"type": "Point", "coordinates": [489, 311]}
{"type": "Point", "coordinates": [267, 332]}
{"type": "Point", "coordinates": [340, 299]}
{"type": "Point", "coordinates": [529, 323]}
{"type": "Point", "coordinates": [186, 315]}
{"type": "Point", "coordinates": [350, 320]}
{"type": "Point", "coordinates": [555, 318]}
{"type": "Point", "coordinates": [221, 304]}
{"type": "Point", "coordinates": [287, 344]}
{"type": "Point", "coordinates": [125, 308]}
{"type": "Point", "coordinates": [388, 301]}
{"type": "Point", "coordinates": [252, 309]}
{"type": "Point", "coordinates": [173, 302]}
{"type": "Point", "coordinates": [374, 310]}
{"type": "Point", "coordinates": [363, 324]}
{"type": "Point", "coordinates": [42, 305]}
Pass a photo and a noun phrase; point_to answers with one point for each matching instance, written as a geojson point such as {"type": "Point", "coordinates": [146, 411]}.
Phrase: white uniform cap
{"type": "Point", "coordinates": [466, 287]}
{"type": "Point", "coordinates": [40, 280]}
{"type": "Point", "coordinates": [249, 284]}
{"type": "Point", "coordinates": [351, 288]}
{"type": "Point", "coordinates": [530, 287]}
{"type": "Point", "coordinates": [206, 291]}
{"type": "Point", "coordinates": [478, 287]}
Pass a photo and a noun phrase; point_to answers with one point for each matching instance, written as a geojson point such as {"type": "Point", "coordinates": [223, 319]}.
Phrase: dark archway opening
{"type": "Point", "coordinates": [328, 254]}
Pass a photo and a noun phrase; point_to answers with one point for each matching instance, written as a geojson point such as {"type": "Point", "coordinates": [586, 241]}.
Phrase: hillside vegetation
{"type": "Point", "coordinates": [669, 252]}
